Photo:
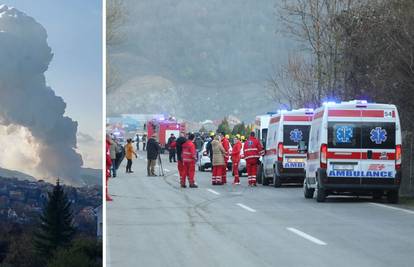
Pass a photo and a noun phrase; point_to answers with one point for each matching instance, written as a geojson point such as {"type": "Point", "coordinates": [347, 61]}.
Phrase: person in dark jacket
{"type": "Point", "coordinates": [179, 143]}
{"type": "Point", "coordinates": [172, 144]}
{"type": "Point", "coordinates": [209, 148]}
{"type": "Point", "coordinates": [144, 142]}
{"type": "Point", "coordinates": [153, 150]}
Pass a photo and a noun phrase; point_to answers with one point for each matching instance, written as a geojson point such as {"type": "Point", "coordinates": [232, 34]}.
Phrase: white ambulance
{"type": "Point", "coordinates": [354, 147]}
{"type": "Point", "coordinates": [283, 162]}
{"type": "Point", "coordinates": [261, 125]}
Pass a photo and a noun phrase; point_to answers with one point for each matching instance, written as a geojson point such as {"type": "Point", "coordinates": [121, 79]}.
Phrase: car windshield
{"type": "Point", "coordinates": [374, 135]}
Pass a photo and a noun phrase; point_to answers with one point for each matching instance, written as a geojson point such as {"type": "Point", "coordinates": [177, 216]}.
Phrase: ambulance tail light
{"type": "Point", "coordinates": [280, 151]}
{"type": "Point", "coordinates": [398, 153]}
{"type": "Point", "coordinates": [324, 156]}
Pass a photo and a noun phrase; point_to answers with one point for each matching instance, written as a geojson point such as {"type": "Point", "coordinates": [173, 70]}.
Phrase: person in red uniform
{"type": "Point", "coordinates": [108, 166]}
{"type": "Point", "coordinates": [252, 151]}
{"type": "Point", "coordinates": [226, 144]}
{"type": "Point", "coordinates": [235, 158]}
{"type": "Point", "coordinates": [189, 157]}
{"type": "Point", "coordinates": [179, 142]}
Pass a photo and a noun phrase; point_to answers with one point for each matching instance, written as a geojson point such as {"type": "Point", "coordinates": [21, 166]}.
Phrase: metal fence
{"type": "Point", "coordinates": [407, 183]}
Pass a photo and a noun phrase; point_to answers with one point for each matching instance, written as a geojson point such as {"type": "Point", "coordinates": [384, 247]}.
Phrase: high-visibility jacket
{"type": "Point", "coordinates": [188, 152]}
{"type": "Point", "coordinates": [226, 144]}
{"type": "Point", "coordinates": [235, 153]}
{"type": "Point", "coordinates": [253, 149]}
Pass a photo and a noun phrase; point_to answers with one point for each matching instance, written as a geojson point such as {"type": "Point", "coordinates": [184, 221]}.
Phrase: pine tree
{"type": "Point", "coordinates": [56, 228]}
{"type": "Point", "coordinates": [224, 127]}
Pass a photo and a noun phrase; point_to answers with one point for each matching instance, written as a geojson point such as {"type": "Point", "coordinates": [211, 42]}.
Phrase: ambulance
{"type": "Point", "coordinates": [283, 162]}
{"type": "Point", "coordinates": [261, 126]}
{"type": "Point", "coordinates": [354, 147]}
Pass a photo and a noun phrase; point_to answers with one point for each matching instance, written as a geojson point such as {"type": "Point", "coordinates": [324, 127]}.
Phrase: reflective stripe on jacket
{"type": "Point", "coordinates": [188, 151]}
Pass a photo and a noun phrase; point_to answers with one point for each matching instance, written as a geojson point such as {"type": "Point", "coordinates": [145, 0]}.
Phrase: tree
{"type": "Point", "coordinates": [224, 127]}
{"type": "Point", "coordinates": [378, 54]}
{"type": "Point", "coordinates": [313, 24]}
{"type": "Point", "coordinates": [239, 129]}
{"type": "Point", "coordinates": [203, 129]}
{"type": "Point", "coordinates": [83, 253]}
{"type": "Point", "coordinates": [56, 228]}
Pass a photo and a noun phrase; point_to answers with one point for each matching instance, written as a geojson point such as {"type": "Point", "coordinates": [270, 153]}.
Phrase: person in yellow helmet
{"type": "Point", "coordinates": [211, 134]}
{"type": "Point", "coordinates": [227, 136]}
{"type": "Point", "coordinates": [243, 138]}
{"type": "Point", "coordinates": [238, 136]}
{"type": "Point", "coordinates": [226, 144]}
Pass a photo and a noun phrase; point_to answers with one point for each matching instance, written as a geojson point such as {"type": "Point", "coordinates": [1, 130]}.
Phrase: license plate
{"type": "Point", "coordinates": [343, 167]}
{"type": "Point", "coordinates": [299, 160]}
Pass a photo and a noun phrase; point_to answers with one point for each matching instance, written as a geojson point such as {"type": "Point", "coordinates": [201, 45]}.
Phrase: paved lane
{"type": "Point", "coordinates": [153, 222]}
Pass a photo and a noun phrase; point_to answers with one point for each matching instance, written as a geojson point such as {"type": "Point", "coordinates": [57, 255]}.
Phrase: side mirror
{"type": "Point", "coordinates": [302, 147]}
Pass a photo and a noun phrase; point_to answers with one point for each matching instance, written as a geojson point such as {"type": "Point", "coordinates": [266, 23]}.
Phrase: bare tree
{"type": "Point", "coordinates": [293, 85]}
{"type": "Point", "coordinates": [313, 23]}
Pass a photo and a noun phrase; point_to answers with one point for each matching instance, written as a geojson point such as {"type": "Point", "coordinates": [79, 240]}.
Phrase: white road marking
{"type": "Point", "coordinates": [245, 207]}
{"type": "Point", "coordinates": [306, 236]}
{"type": "Point", "coordinates": [393, 208]}
{"type": "Point", "coordinates": [167, 170]}
{"type": "Point", "coordinates": [212, 191]}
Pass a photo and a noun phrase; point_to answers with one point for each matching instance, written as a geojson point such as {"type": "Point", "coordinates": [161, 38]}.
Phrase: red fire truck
{"type": "Point", "coordinates": [163, 129]}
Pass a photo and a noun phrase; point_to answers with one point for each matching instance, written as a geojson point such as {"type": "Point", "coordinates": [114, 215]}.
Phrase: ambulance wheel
{"type": "Point", "coordinates": [277, 182]}
{"type": "Point", "coordinates": [201, 168]}
{"type": "Point", "coordinates": [320, 194]}
{"type": "Point", "coordinates": [308, 192]}
{"type": "Point", "coordinates": [265, 180]}
{"type": "Point", "coordinates": [259, 175]}
{"type": "Point", "coordinates": [393, 196]}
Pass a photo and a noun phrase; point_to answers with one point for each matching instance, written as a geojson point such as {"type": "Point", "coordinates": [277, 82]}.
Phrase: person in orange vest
{"type": "Point", "coordinates": [235, 158]}
{"type": "Point", "coordinates": [189, 156]}
{"type": "Point", "coordinates": [226, 145]}
{"type": "Point", "coordinates": [108, 166]}
{"type": "Point", "coordinates": [252, 151]}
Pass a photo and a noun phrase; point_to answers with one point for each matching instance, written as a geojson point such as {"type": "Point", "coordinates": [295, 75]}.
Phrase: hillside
{"type": "Point", "coordinates": [176, 54]}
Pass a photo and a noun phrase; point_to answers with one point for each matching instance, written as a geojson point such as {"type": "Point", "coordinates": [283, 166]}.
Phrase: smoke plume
{"type": "Point", "coordinates": [31, 115]}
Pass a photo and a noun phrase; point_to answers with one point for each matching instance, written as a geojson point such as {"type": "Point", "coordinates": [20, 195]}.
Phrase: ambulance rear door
{"type": "Point", "coordinates": [344, 151]}
{"type": "Point", "coordinates": [293, 133]}
{"type": "Point", "coordinates": [378, 142]}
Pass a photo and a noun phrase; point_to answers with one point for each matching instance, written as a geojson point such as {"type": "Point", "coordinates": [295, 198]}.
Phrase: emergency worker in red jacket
{"type": "Point", "coordinates": [226, 144]}
{"type": "Point", "coordinates": [235, 158]}
{"type": "Point", "coordinates": [189, 156]}
{"type": "Point", "coordinates": [252, 151]}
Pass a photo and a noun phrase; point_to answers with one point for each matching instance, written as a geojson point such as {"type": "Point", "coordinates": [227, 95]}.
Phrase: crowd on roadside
{"type": "Point", "coordinates": [184, 150]}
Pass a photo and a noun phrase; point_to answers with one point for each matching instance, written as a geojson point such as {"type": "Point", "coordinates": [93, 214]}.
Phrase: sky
{"type": "Point", "coordinates": [75, 35]}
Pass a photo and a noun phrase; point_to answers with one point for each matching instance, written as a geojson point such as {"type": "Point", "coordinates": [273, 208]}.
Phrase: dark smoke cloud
{"type": "Point", "coordinates": [27, 101]}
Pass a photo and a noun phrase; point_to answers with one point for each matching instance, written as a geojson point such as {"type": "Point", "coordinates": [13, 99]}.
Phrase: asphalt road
{"type": "Point", "coordinates": [154, 222]}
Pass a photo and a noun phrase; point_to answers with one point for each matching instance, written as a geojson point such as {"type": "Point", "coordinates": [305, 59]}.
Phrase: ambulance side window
{"type": "Point", "coordinates": [314, 137]}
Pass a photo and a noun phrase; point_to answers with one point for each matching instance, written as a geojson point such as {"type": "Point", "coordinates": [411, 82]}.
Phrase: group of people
{"type": "Point", "coordinates": [116, 153]}
{"type": "Point", "coordinates": [183, 150]}
{"type": "Point", "coordinates": [219, 151]}
{"type": "Point", "coordinates": [142, 140]}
